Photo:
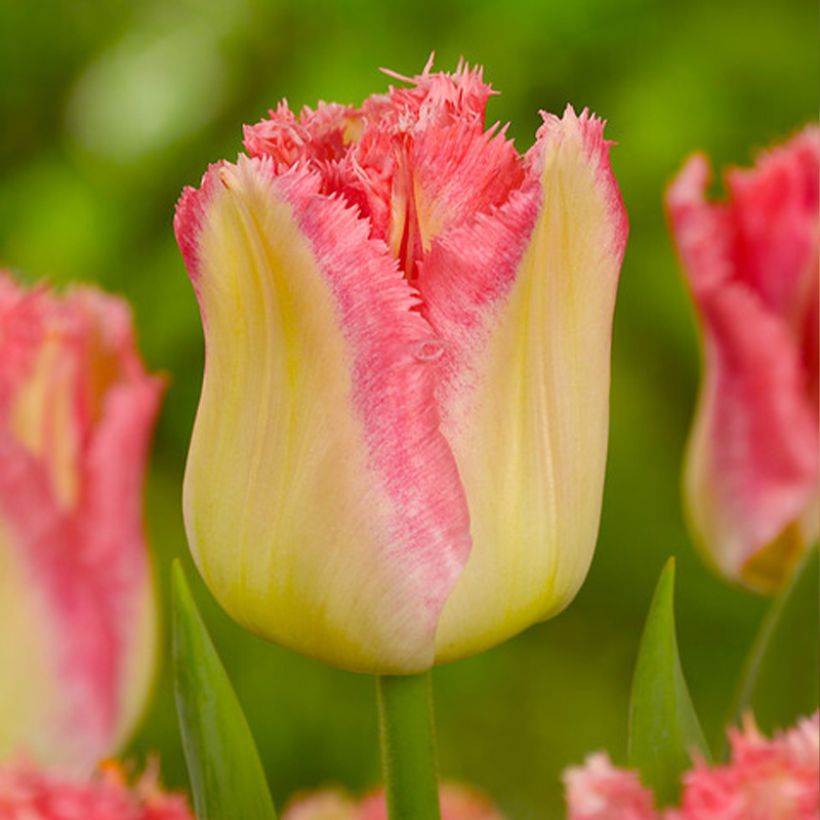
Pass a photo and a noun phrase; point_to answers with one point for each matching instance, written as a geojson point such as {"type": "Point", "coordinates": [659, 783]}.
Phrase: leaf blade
{"type": "Point", "coordinates": [664, 729]}
{"type": "Point", "coordinates": [227, 777]}
{"type": "Point", "coordinates": [781, 675]}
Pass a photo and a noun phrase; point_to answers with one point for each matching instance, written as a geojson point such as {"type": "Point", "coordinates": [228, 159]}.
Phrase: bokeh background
{"type": "Point", "coordinates": [109, 108]}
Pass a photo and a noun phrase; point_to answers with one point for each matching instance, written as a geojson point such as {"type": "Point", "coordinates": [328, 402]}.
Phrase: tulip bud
{"type": "Point", "coordinates": [77, 613]}
{"type": "Point", "coordinates": [399, 452]}
{"type": "Point", "coordinates": [751, 474]}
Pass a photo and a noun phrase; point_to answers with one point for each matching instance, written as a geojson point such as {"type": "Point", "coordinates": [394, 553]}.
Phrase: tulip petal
{"type": "Point", "coordinates": [774, 207]}
{"type": "Point", "coordinates": [752, 459]}
{"type": "Point", "coordinates": [77, 601]}
{"type": "Point", "coordinates": [523, 297]}
{"type": "Point", "coordinates": [322, 503]}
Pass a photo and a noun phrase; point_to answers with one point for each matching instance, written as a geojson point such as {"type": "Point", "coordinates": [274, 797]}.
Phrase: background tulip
{"type": "Point", "coordinates": [751, 476]}
{"type": "Point", "coordinates": [399, 451]}
{"type": "Point", "coordinates": [77, 615]}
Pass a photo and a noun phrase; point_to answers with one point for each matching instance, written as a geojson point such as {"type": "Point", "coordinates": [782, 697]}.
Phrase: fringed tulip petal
{"type": "Point", "coordinates": [322, 503]}
{"type": "Point", "coordinates": [523, 298]}
{"type": "Point", "coordinates": [76, 414]}
{"type": "Point", "coordinates": [751, 475]}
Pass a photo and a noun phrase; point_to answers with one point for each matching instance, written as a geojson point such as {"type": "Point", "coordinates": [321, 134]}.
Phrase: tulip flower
{"type": "Point", "coordinates": [399, 451]}
{"type": "Point", "coordinates": [77, 613]}
{"type": "Point", "coordinates": [751, 474]}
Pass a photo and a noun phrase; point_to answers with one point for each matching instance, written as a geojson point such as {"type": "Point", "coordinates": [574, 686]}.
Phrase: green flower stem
{"type": "Point", "coordinates": [408, 747]}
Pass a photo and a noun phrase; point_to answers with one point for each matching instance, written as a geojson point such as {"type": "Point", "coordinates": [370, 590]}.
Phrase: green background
{"type": "Point", "coordinates": [109, 108]}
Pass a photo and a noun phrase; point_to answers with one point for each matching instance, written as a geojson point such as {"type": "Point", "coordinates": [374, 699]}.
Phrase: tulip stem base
{"type": "Point", "coordinates": [408, 746]}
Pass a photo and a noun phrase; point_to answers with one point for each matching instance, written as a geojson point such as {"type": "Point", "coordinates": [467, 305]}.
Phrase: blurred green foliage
{"type": "Point", "coordinates": [108, 108]}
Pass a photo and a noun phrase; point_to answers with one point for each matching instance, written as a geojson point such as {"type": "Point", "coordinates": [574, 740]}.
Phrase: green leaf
{"type": "Point", "coordinates": [227, 777]}
{"type": "Point", "coordinates": [664, 730]}
{"type": "Point", "coordinates": [780, 678]}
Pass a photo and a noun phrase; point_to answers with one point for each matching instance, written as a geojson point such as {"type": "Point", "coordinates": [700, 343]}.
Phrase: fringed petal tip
{"type": "Point", "coordinates": [797, 155]}
{"type": "Point", "coordinates": [701, 230]}
{"type": "Point", "coordinates": [587, 128]}
{"type": "Point", "coordinates": [768, 218]}
{"type": "Point", "coordinates": [190, 212]}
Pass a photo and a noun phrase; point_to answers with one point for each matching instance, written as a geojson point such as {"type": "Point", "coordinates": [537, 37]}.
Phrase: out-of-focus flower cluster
{"type": "Point", "coordinates": [457, 803]}
{"type": "Point", "coordinates": [765, 779]}
{"type": "Point", "coordinates": [30, 793]}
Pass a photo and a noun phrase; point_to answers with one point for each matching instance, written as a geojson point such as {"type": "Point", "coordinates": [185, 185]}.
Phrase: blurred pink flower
{"type": "Point", "coordinates": [751, 476]}
{"type": "Point", "coordinates": [600, 791]}
{"type": "Point", "coordinates": [777, 779]}
{"type": "Point", "coordinates": [457, 803]}
{"type": "Point", "coordinates": [28, 793]}
{"type": "Point", "coordinates": [765, 779]}
{"type": "Point", "coordinates": [325, 804]}
{"type": "Point", "coordinates": [77, 613]}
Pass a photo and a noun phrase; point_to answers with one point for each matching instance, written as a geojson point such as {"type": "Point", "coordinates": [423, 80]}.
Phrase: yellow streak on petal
{"type": "Point", "coordinates": [530, 440]}
{"type": "Point", "coordinates": [42, 419]}
{"type": "Point", "coordinates": [284, 519]}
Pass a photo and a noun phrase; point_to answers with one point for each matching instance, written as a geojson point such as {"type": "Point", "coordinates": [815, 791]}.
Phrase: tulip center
{"type": "Point", "coordinates": [414, 162]}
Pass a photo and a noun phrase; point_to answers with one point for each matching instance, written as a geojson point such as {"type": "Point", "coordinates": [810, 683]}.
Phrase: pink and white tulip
{"type": "Point", "coordinates": [399, 452]}
{"type": "Point", "coordinates": [77, 612]}
{"type": "Point", "coordinates": [765, 779]}
{"type": "Point", "coordinates": [751, 475]}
